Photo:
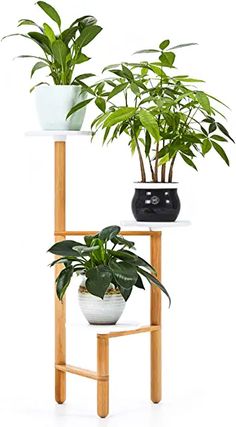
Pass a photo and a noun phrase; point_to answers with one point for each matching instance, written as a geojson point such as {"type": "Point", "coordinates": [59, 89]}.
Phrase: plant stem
{"type": "Point", "coordinates": [170, 176]}
{"type": "Point", "coordinates": [155, 176]}
{"type": "Point", "coordinates": [163, 169]}
{"type": "Point", "coordinates": [151, 169]}
{"type": "Point", "coordinates": [143, 174]}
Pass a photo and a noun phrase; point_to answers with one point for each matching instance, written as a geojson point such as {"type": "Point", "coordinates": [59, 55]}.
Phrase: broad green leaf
{"type": "Point", "coordinates": [150, 123]}
{"type": "Point", "coordinates": [50, 11]}
{"type": "Point", "coordinates": [109, 233]}
{"type": "Point", "coordinates": [125, 292]}
{"type": "Point", "coordinates": [125, 274]}
{"type": "Point", "coordinates": [120, 115]}
{"type": "Point", "coordinates": [219, 138]}
{"type": "Point", "coordinates": [188, 161]}
{"type": "Point", "coordinates": [87, 35]}
{"type": "Point", "coordinates": [41, 40]}
{"type": "Point", "coordinates": [224, 131]}
{"type": "Point", "coordinates": [127, 72]}
{"type": "Point", "coordinates": [203, 101]}
{"type": "Point", "coordinates": [124, 256]}
{"type": "Point", "coordinates": [135, 89]}
{"type": "Point", "coordinates": [98, 280]}
{"type": "Point", "coordinates": [221, 152]}
{"type": "Point", "coordinates": [164, 159]}
{"type": "Point", "coordinates": [164, 44]}
{"type": "Point", "coordinates": [60, 51]}
{"type": "Point", "coordinates": [64, 260]}
{"type": "Point", "coordinates": [48, 31]}
{"type": "Point", "coordinates": [212, 127]}
{"type": "Point", "coordinates": [101, 104]}
{"type": "Point", "coordinates": [206, 146]}
{"type": "Point", "coordinates": [37, 66]}
{"type": "Point", "coordinates": [120, 240]}
{"type": "Point", "coordinates": [167, 58]}
{"type": "Point", "coordinates": [64, 248]}
{"type": "Point", "coordinates": [68, 34]}
{"type": "Point", "coordinates": [140, 262]}
{"type": "Point", "coordinates": [157, 70]}
{"type": "Point", "coordinates": [78, 106]}
{"type": "Point", "coordinates": [84, 250]}
{"type": "Point", "coordinates": [63, 281]}
{"type": "Point", "coordinates": [139, 283]}
{"type": "Point", "coordinates": [117, 90]}
{"type": "Point", "coordinates": [153, 280]}
{"type": "Point", "coordinates": [86, 20]}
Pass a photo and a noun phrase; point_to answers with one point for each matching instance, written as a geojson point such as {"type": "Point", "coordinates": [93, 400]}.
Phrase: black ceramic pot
{"type": "Point", "coordinates": [156, 202]}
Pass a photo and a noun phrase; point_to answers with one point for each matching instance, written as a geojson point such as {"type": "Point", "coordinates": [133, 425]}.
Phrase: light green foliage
{"type": "Point", "coordinates": [61, 49]}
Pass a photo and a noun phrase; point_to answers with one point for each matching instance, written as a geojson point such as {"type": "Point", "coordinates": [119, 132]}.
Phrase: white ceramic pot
{"type": "Point", "coordinates": [97, 311]}
{"type": "Point", "coordinates": [53, 104]}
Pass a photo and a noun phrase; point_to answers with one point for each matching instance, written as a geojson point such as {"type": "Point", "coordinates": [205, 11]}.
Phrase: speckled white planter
{"type": "Point", "coordinates": [97, 311]}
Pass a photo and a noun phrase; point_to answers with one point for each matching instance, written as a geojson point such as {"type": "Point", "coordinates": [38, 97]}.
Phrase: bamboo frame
{"type": "Point", "coordinates": [102, 373]}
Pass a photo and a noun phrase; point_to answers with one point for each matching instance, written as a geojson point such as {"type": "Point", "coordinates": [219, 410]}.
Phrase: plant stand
{"type": "Point", "coordinates": [102, 373]}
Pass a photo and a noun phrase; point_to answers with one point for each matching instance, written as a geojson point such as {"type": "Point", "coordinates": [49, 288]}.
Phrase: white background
{"type": "Point", "coordinates": [198, 262]}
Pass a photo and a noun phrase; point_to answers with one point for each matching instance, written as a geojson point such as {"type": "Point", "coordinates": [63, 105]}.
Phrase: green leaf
{"type": "Point", "coordinates": [64, 248]}
{"type": "Point", "coordinates": [78, 106]}
{"type": "Point", "coordinates": [124, 256]}
{"type": "Point", "coordinates": [203, 101]}
{"type": "Point", "coordinates": [98, 280]}
{"type": "Point", "coordinates": [64, 260]}
{"type": "Point", "coordinates": [164, 44]}
{"type": "Point", "coordinates": [125, 274]}
{"type": "Point", "coordinates": [206, 146]}
{"type": "Point", "coordinates": [38, 84]}
{"type": "Point", "coordinates": [37, 66]}
{"type": "Point", "coordinates": [50, 11]}
{"type": "Point", "coordinates": [63, 281]}
{"type": "Point", "coordinates": [82, 58]}
{"type": "Point", "coordinates": [60, 52]}
{"type": "Point", "coordinates": [146, 51]}
{"type": "Point", "coordinates": [120, 115]}
{"type": "Point", "coordinates": [117, 90]}
{"type": "Point", "coordinates": [183, 45]}
{"type": "Point", "coordinates": [155, 281]}
{"type": "Point", "coordinates": [150, 123]}
{"type": "Point", "coordinates": [83, 250]}
{"type": "Point", "coordinates": [84, 76]}
{"type": "Point", "coordinates": [125, 292]}
{"type": "Point", "coordinates": [139, 283]}
{"type": "Point", "coordinates": [148, 142]}
{"type": "Point", "coordinates": [188, 161]}
{"type": "Point", "coordinates": [219, 138]}
{"type": "Point", "coordinates": [224, 131]}
{"type": "Point", "coordinates": [109, 233]}
{"type": "Point", "coordinates": [48, 31]}
{"type": "Point", "coordinates": [128, 73]}
{"type": "Point", "coordinates": [87, 35]}
{"type": "Point", "coordinates": [167, 58]}
{"type": "Point", "coordinates": [28, 22]}
{"type": "Point", "coordinates": [119, 240]}
{"type": "Point", "coordinates": [41, 40]}
{"type": "Point", "coordinates": [212, 127]}
{"type": "Point", "coordinates": [221, 152]}
{"type": "Point", "coordinates": [101, 104]}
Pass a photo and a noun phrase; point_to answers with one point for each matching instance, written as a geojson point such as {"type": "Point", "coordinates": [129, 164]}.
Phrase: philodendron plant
{"type": "Point", "coordinates": [104, 259]}
{"type": "Point", "coordinates": [62, 49]}
{"type": "Point", "coordinates": [163, 114]}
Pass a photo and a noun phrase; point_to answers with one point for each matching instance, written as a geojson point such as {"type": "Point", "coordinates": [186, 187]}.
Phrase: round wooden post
{"type": "Point", "coordinates": [155, 307]}
{"type": "Point", "coordinates": [103, 370]}
{"type": "Point", "coordinates": [60, 307]}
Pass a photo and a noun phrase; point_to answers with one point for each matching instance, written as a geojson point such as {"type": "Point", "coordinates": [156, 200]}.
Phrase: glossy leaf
{"type": "Point", "coordinates": [153, 280]}
{"type": "Point", "coordinates": [63, 281]}
{"type": "Point", "coordinates": [78, 106]}
{"type": "Point", "coordinates": [123, 113]}
{"type": "Point", "coordinates": [109, 233]}
{"type": "Point", "coordinates": [48, 31]}
{"type": "Point", "coordinates": [101, 104]}
{"type": "Point", "coordinates": [64, 248]}
{"type": "Point", "coordinates": [84, 250]}
{"type": "Point", "coordinates": [120, 240]}
{"type": "Point", "coordinates": [167, 58]}
{"type": "Point", "coordinates": [125, 274]}
{"type": "Point", "coordinates": [116, 90]}
{"type": "Point", "coordinates": [87, 35]}
{"type": "Point", "coordinates": [125, 292]}
{"type": "Point", "coordinates": [221, 152]}
{"type": "Point", "coordinates": [206, 146]}
{"type": "Point", "coordinates": [188, 161]}
{"type": "Point", "coordinates": [150, 123]}
{"type": "Point", "coordinates": [38, 66]}
{"type": "Point", "coordinates": [60, 52]}
{"type": "Point", "coordinates": [50, 11]}
{"type": "Point", "coordinates": [98, 280]}
{"type": "Point", "coordinates": [203, 101]}
{"type": "Point", "coordinates": [139, 284]}
{"type": "Point", "coordinates": [164, 44]}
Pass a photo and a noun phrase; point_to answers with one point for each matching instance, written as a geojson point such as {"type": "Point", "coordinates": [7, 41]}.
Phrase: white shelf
{"type": "Point", "coordinates": [106, 329]}
{"type": "Point", "coordinates": [58, 135]}
{"type": "Point", "coordinates": [154, 226]}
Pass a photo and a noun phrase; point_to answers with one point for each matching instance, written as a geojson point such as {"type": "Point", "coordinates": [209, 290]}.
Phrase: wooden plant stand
{"type": "Point", "coordinates": [102, 373]}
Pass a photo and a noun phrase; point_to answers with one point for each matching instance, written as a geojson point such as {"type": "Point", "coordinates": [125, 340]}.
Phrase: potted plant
{"type": "Point", "coordinates": [109, 270]}
{"type": "Point", "coordinates": [61, 53]}
{"type": "Point", "coordinates": [164, 116]}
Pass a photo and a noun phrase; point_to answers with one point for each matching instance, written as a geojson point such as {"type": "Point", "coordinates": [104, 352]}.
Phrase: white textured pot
{"type": "Point", "coordinates": [53, 104]}
{"type": "Point", "coordinates": [97, 311]}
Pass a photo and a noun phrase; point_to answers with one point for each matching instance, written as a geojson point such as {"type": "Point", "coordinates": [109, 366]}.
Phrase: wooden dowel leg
{"type": "Point", "coordinates": [103, 369]}
{"type": "Point", "coordinates": [60, 308]}
{"type": "Point", "coordinates": [156, 386]}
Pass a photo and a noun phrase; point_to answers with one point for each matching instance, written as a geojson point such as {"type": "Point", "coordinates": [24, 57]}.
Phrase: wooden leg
{"type": "Point", "coordinates": [156, 320]}
{"type": "Point", "coordinates": [60, 307]}
{"type": "Point", "coordinates": [103, 369]}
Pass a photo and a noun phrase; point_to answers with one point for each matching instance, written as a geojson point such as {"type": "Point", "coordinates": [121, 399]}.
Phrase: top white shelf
{"type": "Point", "coordinates": [58, 135]}
{"type": "Point", "coordinates": [155, 226]}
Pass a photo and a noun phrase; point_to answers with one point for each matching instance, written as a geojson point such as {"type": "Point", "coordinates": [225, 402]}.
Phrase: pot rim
{"type": "Point", "coordinates": [155, 185]}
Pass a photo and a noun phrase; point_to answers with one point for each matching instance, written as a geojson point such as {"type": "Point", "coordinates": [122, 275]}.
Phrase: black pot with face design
{"type": "Point", "coordinates": [156, 202]}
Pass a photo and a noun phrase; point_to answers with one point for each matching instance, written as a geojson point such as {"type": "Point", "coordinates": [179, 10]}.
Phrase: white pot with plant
{"type": "Point", "coordinates": [164, 116]}
{"type": "Point", "coordinates": [109, 271]}
{"type": "Point", "coordinates": [61, 53]}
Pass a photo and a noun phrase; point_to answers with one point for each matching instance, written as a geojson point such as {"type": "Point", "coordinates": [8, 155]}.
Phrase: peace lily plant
{"type": "Point", "coordinates": [61, 54]}
{"type": "Point", "coordinates": [164, 116]}
{"type": "Point", "coordinates": [109, 269]}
